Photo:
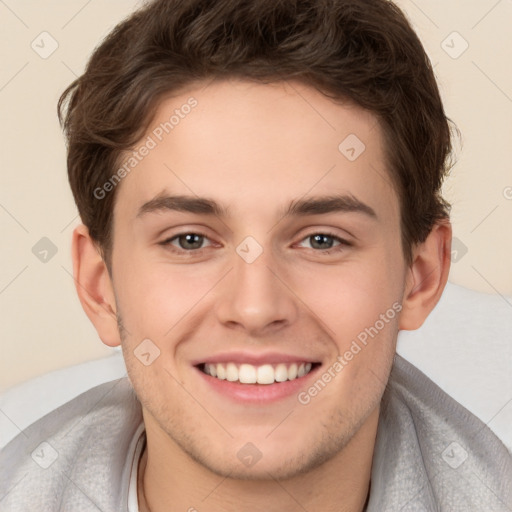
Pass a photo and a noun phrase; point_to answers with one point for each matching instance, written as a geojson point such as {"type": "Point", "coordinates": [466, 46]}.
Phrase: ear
{"type": "Point", "coordinates": [427, 276]}
{"type": "Point", "coordinates": [94, 286]}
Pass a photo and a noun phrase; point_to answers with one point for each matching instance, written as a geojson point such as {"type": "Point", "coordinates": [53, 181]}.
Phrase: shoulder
{"type": "Point", "coordinates": [71, 455]}
{"type": "Point", "coordinates": [433, 452]}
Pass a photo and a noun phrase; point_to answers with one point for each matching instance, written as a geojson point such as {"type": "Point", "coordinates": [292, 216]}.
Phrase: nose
{"type": "Point", "coordinates": [255, 297]}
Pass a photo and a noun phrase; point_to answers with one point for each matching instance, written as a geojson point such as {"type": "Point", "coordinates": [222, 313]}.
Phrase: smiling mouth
{"type": "Point", "coordinates": [263, 374]}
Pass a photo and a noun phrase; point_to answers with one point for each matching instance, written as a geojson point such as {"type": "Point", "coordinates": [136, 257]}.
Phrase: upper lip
{"type": "Point", "coordinates": [254, 359]}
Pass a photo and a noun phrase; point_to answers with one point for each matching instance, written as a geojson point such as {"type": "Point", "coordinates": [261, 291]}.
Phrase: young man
{"type": "Point", "coordinates": [259, 185]}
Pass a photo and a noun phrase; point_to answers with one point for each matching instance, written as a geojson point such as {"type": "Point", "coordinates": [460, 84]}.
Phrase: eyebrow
{"type": "Point", "coordinates": [329, 204]}
{"type": "Point", "coordinates": [190, 204]}
{"type": "Point", "coordinates": [302, 207]}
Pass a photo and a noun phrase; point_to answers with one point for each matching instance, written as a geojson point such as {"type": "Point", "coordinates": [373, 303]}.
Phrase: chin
{"type": "Point", "coordinates": [264, 460]}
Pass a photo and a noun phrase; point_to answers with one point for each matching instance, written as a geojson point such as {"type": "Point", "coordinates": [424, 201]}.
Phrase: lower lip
{"type": "Point", "coordinates": [258, 393]}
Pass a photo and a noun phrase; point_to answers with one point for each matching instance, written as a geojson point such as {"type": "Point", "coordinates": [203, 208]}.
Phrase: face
{"type": "Point", "coordinates": [257, 252]}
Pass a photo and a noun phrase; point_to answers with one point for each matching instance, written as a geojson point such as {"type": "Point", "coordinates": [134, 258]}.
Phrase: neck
{"type": "Point", "coordinates": [170, 480]}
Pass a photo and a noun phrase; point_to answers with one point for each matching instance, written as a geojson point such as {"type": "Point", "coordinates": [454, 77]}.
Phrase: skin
{"type": "Point", "coordinates": [254, 148]}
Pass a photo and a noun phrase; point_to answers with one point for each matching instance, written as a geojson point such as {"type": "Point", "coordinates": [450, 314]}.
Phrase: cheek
{"type": "Point", "coordinates": [361, 317]}
{"type": "Point", "coordinates": [350, 298]}
{"type": "Point", "coordinates": [155, 297]}
{"type": "Point", "coordinates": [359, 307]}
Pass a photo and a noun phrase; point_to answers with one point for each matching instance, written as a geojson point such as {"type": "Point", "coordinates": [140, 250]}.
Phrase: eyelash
{"type": "Point", "coordinates": [343, 244]}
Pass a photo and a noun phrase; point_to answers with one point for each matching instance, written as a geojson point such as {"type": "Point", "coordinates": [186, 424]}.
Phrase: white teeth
{"type": "Point", "coordinates": [247, 374]}
{"type": "Point", "coordinates": [231, 372]}
{"type": "Point", "coordinates": [250, 374]}
{"type": "Point", "coordinates": [221, 372]}
{"type": "Point", "coordinates": [266, 374]}
{"type": "Point", "coordinates": [281, 373]}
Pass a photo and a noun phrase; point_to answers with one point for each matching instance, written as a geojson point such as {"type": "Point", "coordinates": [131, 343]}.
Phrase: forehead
{"type": "Point", "coordinates": [249, 144]}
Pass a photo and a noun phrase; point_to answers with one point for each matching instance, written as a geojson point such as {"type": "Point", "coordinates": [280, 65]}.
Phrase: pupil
{"type": "Point", "coordinates": [321, 241]}
{"type": "Point", "coordinates": [191, 241]}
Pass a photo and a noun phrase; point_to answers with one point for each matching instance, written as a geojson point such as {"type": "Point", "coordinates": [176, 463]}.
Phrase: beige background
{"type": "Point", "coordinates": [43, 326]}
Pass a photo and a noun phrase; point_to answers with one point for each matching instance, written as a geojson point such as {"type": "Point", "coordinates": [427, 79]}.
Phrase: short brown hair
{"type": "Point", "coordinates": [363, 51]}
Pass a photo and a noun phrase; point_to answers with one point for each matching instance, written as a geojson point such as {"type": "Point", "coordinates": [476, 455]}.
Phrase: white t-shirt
{"type": "Point", "coordinates": [137, 444]}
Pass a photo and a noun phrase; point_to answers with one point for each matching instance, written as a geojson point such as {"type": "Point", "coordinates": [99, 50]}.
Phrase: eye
{"type": "Point", "coordinates": [187, 241]}
{"type": "Point", "coordinates": [323, 242]}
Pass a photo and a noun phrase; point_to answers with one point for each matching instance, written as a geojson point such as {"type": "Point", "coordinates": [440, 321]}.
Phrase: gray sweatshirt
{"type": "Point", "coordinates": [431, 454]}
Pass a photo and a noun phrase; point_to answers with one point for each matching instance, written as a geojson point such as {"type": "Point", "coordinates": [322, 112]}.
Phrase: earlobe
{"type": "Point", "coordinates": [427, 276]}
{"type": "Point", "coordinates": [94, 286]}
